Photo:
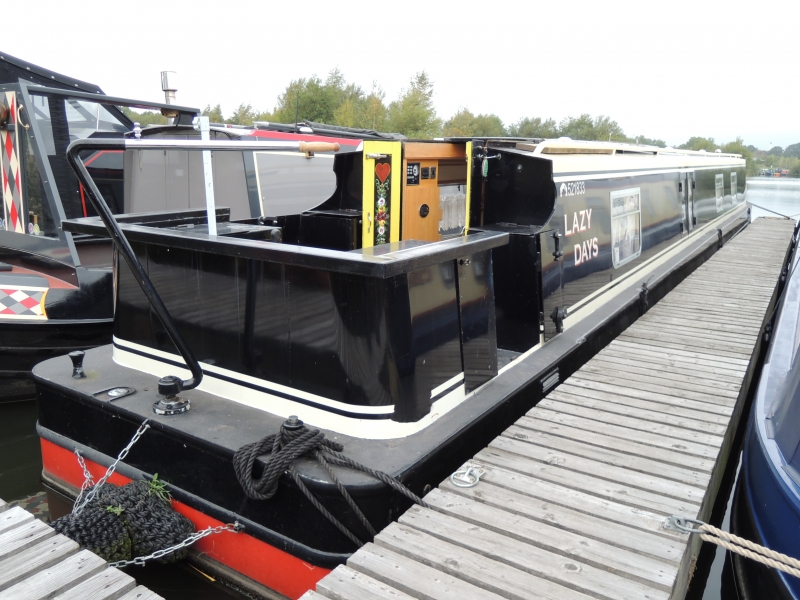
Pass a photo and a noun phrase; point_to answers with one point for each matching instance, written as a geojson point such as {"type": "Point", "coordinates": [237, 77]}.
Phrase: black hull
{"type": "Point", "coordinates": [23, 344]}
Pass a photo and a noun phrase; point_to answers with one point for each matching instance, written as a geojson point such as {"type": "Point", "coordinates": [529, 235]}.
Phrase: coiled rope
{"type": "Point", "coordinates": [293, 441]}
{"type": "Point", "coordinates": [734, 543]}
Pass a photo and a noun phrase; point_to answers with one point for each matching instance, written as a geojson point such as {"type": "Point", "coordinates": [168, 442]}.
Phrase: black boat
{"type": "Point", "coordinates": [410, 299]}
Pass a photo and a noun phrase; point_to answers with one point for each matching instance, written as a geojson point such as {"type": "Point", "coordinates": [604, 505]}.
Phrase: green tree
{"type": "Point", "coordinates": [214, 114]}
{"type": "Point", "coordinates": [243, 115]}
{"type": "Point", "coordinates": [145, 118]}
{"type": "Point", "coordinates": [585, 127]}
{"type": "Point", "coordinates": [775, 151]}
{"type": "Point", "coordinates": [792, 150]}
{"type": "Point", "coordinates": [488, 126]}
{"type": "Point", "coordinates": [646, 141]}
{"type": "Point", "coordinates": [413, 114]}
{"type": "Point", "coordinates": [699, 143]}
{"type": "Point", "coordinates": [737, 146]}
{"type": "Point", "coordinates": [534, 128]}
{"type": "Point", "coordinates": [461, 124]}
{"type": "Point", "coordinates": [374, 114]}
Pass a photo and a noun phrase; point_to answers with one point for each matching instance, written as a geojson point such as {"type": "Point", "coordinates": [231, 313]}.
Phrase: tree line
{"type": "Point", "coordinates": [336, 101]}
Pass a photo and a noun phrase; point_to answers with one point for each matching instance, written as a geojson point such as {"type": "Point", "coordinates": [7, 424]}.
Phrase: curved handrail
{"type": "Point", "coordinates": [99, 204]}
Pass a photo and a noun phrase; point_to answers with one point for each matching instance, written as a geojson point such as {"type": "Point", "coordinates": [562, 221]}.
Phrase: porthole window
{"type": "Point", "coordinates": [626, 225]}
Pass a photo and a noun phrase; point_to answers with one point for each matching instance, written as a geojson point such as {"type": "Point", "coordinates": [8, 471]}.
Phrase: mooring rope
{"type": "Point", "coordinates": [293, 441]}
{"type": "Point", "coordinates": [736, 544]}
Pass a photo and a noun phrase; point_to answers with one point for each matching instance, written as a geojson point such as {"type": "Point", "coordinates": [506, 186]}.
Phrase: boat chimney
{"type": "Point", "coordinates": [168, 85]}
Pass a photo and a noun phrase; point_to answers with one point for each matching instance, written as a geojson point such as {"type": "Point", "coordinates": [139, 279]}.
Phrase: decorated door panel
{"type": "Point", "coordinates": [13, 209]}
{"type": "Point", "coordinates": [381, 196]}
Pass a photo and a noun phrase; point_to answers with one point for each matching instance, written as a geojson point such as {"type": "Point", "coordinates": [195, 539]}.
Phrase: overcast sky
{"type": "Point", "coordinates": [667, 70]}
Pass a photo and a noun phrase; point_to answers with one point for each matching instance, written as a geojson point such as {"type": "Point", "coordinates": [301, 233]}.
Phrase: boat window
{"type": "Point", "coordinates": [87, 118]}
{"type": "Point", "coordinates": [41, 112]}
{"type": "Point", "coordinates": [734, 186]}
{"type": "Point", "coordinates": [39, 217]}
{"type": "Point", "coordinates": [626, 225]}
{"type": "Point", "coordinates": [719, 190]}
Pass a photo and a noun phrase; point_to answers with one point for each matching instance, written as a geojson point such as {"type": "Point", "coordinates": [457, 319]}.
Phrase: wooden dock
{"type": "Point", "coordinates": [36, 563]}
{"type": "Point", "coordinates": [573, 496]}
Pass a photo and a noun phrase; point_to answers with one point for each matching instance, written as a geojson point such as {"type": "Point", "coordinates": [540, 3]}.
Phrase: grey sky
{"type": "Point", "coordinates": [666, 70]}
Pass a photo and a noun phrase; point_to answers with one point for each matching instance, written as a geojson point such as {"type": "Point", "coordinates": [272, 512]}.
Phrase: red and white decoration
{"type": "Point", "coordinates": [12, 176]}
{"type": "Point", "coordinates": [22, 303]}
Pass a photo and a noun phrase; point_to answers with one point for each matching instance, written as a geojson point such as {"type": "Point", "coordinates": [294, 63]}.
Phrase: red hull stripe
{"type": "Point", "coordinates": [257, 560]}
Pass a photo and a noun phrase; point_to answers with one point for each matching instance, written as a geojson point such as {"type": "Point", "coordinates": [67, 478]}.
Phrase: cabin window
{"type": "Point", "coordinates": [734, 188]}
{"type": "Point", "coordinates": [719, 190]}
{"type": "Point", "coordinates": [626, 225]}
{"type": "Point", "coordinates": [87, 118]}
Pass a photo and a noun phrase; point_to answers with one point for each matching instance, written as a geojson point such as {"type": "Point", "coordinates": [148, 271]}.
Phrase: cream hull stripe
{"type": "Point", "coordinates": [284, 401]}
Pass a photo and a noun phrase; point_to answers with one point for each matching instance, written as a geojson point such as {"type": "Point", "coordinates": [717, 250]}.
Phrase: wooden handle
{"type": "Point", "coordinates": [318, 147]}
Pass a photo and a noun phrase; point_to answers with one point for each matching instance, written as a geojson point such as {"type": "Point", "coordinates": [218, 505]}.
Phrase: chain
{"type": "Point", "coordinates": [197, 535]}
{"type": "Point", "coordinates": [79, 507]}
{"type": "Point", "coordinates": [87, 479]}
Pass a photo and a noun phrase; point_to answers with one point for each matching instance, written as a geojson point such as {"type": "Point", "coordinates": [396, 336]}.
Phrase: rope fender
{"type": "Point", "coordinates": [294, 441]}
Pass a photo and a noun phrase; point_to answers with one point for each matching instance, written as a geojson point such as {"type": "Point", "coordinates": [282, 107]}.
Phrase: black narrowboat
{"type": "Point", "coordinates": [409, 300]}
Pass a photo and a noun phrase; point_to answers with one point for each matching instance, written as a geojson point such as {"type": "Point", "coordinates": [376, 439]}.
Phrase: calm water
{"type": "Point", "coordinates": [20, 462]}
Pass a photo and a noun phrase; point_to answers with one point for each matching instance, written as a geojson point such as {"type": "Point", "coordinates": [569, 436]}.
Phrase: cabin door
{"type": "Point", "coordinates": [688, 201]}
{"type": "Point", "coordinates": [381, 195]}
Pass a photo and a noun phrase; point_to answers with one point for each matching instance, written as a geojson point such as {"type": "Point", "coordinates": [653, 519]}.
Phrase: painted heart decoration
{"type": "Point", "coordinates": [382, 170]}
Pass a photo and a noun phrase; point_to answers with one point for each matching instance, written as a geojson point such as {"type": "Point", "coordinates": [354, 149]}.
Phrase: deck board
{"type": "Point", "coordinates": [573, 496]}
{"type": "Point", "coordinates": [36, 563]}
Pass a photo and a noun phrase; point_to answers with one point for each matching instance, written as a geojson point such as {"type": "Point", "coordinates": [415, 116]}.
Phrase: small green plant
{"type": "Point", "coordinates": [159, 488]}
{"type": "Point", "coordinates": [117, 510]}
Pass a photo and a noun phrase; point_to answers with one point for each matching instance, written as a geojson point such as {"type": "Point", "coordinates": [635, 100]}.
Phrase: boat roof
{"type": "Point", "coordinates": [12, 69]}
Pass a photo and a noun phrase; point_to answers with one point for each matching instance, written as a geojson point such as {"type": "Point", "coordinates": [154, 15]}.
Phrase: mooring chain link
{"type": "Point", "coordinates": [110, 471]}
{"type": "Point", "coordinates": [88, 480]}
{"type": "Point", "coordinates": [197, 535]}
{"type": "Point", "coordinates": [736, 544]}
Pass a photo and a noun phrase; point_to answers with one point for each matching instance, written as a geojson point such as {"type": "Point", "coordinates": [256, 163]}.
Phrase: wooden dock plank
{"type": "Point", "coordinates": [468, 543]}
{"type": "Point", "coordinates": [23, 537]}
{"type": "Point", "coordinates": [563, 531]}
{"type": "Point", "coordinates": [18, 566]}
{"type": "Point", "coordinates": [141, 593]}
{"type": "Point", "coordinates": [672, 458]}
{"type": "Point", "coordinates": [105, 585]}
{"type": "Point", "coordinates": [13, 517]}
{"type": "Point", "coordinates": [563, 495]}
{"type": "Point", "coordinates": [56, 578]}
{"type": "Point", "coordinates": [343, 583]}
{"type": "Point", "coordinates": [575, 386]}
{"type": "Point", "coordinates": [478, 568]}
{"type": "Point", "coordinates": [413, 577]}
{"type": "Point", "coordinates": [658, 412]}
{"type": "Point", "coordinates": [611, 456]}
{"type": "Point", "coordinates": [574, 493]}
{"type": "Point", "coordinates": [603, 488]}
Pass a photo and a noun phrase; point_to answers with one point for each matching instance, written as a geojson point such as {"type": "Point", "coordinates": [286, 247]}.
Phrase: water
{"type": "Point", "coordinates": [20, 462]}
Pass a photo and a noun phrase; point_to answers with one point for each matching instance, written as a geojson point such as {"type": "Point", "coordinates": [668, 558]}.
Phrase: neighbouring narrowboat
{"type": "Point", "coordinates": [766, 502]}
{"type": "Point", "coordinates": [410, 299]}
{"type": "Point", "coordinates": [55, 287]}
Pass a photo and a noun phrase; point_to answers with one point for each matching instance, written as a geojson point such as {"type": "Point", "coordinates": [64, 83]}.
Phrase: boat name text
{"type": "Point", "coordinates": [582, 221]}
